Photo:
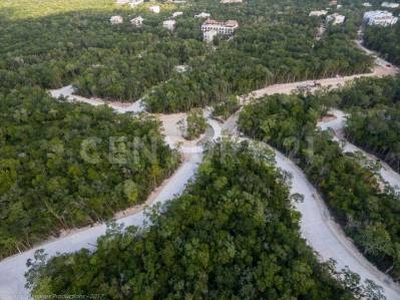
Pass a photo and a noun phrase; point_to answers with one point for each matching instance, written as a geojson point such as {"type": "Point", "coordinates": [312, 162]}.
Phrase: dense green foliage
{"type": "Point", "coordinates": [385, 40]}
{"type": "Point", "coordinates": [64, 166]}
{"type": "Point", "coordinates": [367, 214]}
{"type": "Point", "coordinates": [232, 235]}
{"type": "Point", "coordinates": [196, 124]}
{"type": "Point", "coordinates": [51, 45]}
{"type": "Point", "coordinates": [374, 123]}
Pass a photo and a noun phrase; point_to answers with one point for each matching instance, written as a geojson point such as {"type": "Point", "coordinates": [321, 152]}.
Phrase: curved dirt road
{"type": "Point", "coordinates": [325, 236]}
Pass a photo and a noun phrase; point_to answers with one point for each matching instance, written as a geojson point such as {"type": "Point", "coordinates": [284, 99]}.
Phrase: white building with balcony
{"type": "Point", "coordinates": [223, 28]}
{"type": "Point", "coordinates": [380, 18]}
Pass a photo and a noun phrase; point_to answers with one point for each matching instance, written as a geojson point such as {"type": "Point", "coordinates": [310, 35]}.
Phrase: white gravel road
{"type": "Point", "coordinates": [325, 236]}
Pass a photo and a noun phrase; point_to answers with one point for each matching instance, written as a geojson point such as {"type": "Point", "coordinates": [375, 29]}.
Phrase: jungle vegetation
{"type": "Point", "coordinates": [233, 234]}
{"type": "Point", "coordinates": [368, 214]}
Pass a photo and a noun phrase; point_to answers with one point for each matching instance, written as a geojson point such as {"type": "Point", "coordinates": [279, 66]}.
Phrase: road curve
{"type": "Point", "coordinates": [387, 174]}
{"type": "Point", "coordinates": [325, 236]}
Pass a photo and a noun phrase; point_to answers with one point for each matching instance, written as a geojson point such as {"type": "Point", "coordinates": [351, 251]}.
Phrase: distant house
{"type": "Point", "coordinates": [224, 28]}
{"type": "Point", "coordinates": [169, 24]}
{"type": "Point", "coordinates": [318, 13]}
{"type": "Point", "coordinates": [335, 19]}
{"type": "Point", "coordinates": [230, 1]}
{"type": "Point", "coordinates": [121, 2]}
{"type": "Point", "coordinates": [116, 20]}
{"type": "Point", "coordinates": [155, 9]}
{"type": "Point", "coordinates": [137, 22]}
{"type": "Point", "coordinates": [203, 15]}
{"type": "Point", "coordinates": [367, 4]}
{"type": "Point", "coordinates": [177, 14]}
{"type": "Point", "coordinates": [134, 3]}
{"type": "Point", "coordinates": [208, 36]}
{"type": "Point", "coordinates": [380, 18]}
{"type": "Point", "coordinates": [181, 68]}
{"type": "Point", "coordinates": [390, 5]}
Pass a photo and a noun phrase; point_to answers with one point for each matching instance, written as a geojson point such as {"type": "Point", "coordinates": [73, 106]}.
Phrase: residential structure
{"type": "Point", "coordinates": [367, 4]}
{"type": "Point", "coordinates": [230, 1]}
{"type": "Point", "coordinates": [208, 36]}
{"type": "Point", "coordinates": [138, 21]}
{"type": "Point", "coordinates": [177, 14]}
{"type": "Point", "coordinates": [203, 15]}
{"type": "Point", "coordinates": [169, 24]}
{"type": "Point", "coordinates": [380, 18]}
{"type": "Point", "coordinates": [116, 20]}
{"type": "Point", "coordinates": [155, 9]}
{"type": "Point", "coordinates": [318, 13]}
{"type": "Point", "coordinates": [134, 3]}
{"type": "Point", "coordinates": [390, 5]}
{"type": "Point", "coordinates": [181, 68]}
{"type": "Point", "coordinates": [224, 28]}
{"type": "Point", "coordinates": [335, 19]}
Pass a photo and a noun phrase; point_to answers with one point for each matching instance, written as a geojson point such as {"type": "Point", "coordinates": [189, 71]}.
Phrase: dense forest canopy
{"type": "Point", "coordinates": [55, 45]}
{"type": "Point", "coordinates": [374, 122]}
{"type": "Point", "coordinates": [63, 166]}
{"type": "Point", "coordinates": [385, 40]}
{"type": "Point", "coordinates": [368, 214]}
{"type": "Point", "coordinates": [233, 234]}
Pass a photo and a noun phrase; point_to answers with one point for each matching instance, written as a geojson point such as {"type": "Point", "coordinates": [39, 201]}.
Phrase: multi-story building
{"type": "Point", "coordinates": [380, 18]}
{"type": "Point", "coordinates": [224, 28]}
